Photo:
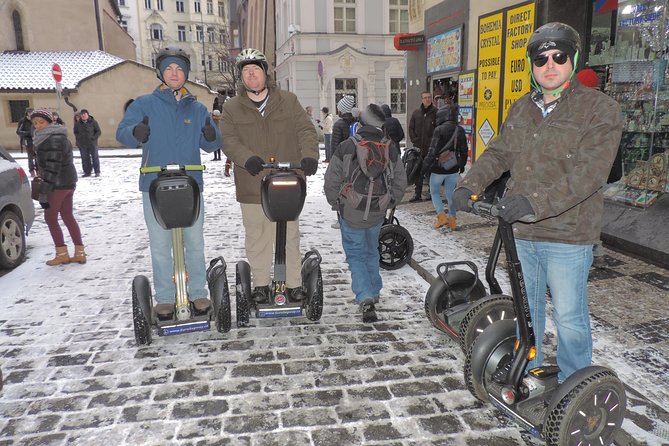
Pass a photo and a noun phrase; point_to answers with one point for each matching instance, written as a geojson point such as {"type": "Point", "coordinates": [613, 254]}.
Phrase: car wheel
{"type": "Point", "coordinates": [12, 240]}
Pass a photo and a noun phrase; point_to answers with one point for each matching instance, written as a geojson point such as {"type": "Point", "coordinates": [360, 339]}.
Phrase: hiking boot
{"type": "Point", "coordinates": [442, 220]}
{"type": "Point", "coordinates": [201, 304]}
{"type": "Point", "coordinates": [62, 257]}
{"type": "Point", "coordinates": [260, 294]}
{"type": "Point", "coordinates": [79, 255]}
{"type": "Point", "coordinates": [295, 294]}
{"type": "Point", "coordinates": [451, 223]}
{"type": "Point", "coordinates": [415, 199]}
{"type": "Point", "coordinates": [164, 310]}
{"type": "Point", "coordinates": [368, 310]}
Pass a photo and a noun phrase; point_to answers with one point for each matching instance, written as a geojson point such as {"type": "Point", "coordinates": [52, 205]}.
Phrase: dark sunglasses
{"type": "Point", "coordinates": [558, 58]}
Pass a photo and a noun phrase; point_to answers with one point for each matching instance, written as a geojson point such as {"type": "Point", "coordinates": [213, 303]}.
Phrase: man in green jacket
{"type": "Point", "coordinates": [558, 142]}
{"type": "Point", "coordinates": [262, 122]}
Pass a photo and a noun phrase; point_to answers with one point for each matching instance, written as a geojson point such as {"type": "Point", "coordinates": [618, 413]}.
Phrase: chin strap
{"type": "Point", "coordinates": [255, 92]}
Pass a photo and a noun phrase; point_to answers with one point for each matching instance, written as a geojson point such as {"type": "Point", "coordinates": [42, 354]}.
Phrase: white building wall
{"type": "Point", "coordinates": [367, 55]}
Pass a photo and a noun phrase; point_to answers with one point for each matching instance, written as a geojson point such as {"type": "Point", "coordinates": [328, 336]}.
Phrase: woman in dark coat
{"type": "Point", "coordinates": [59, 178]}
{"type": "Point", "coordinates": [447, 124]}
{"type": "Point", "coordinates": [392, 126]}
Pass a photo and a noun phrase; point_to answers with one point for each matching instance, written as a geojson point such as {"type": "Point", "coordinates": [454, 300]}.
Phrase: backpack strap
{"type": "Point", "coordinates": [453, 141]}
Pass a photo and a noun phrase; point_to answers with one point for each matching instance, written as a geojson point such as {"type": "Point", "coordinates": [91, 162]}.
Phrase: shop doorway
{"type": "Point", "coordinates": [445, 91]}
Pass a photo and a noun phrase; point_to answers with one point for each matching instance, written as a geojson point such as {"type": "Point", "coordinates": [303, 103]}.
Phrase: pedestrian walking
{"type": "Point", "coordinates": [172, 126]}
{"type": "Point", "coordinates": [360, 228]}
{"type": "Point", "coordinates": [445, 161]}
{"type": "Point", "coordinates": [558, 142]}
{"type": "Point", "coordinates": [421, 126]}
{"type": "Point", "coordinates": [260, 123]}
{"type": "Point", "coordinates": [59, 179]}
{"type": "Point", "coordinates": [87, 131]}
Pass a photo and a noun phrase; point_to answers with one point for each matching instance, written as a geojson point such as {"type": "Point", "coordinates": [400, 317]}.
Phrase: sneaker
{"type": "Point", "coordinates": [201, 304]}
{"type": "Point", "coordinates": [295, 294]}
{"type": "Point", "coordinates": [164, 310]}
{"type": "Point", "coordinates": [368, 310]}
{"type": "Point", "coordinates": [260, 294]}
{"type": "Point", "coordinates": [415, 199]}
{"type": "Point", "coordinates": [335, 225]}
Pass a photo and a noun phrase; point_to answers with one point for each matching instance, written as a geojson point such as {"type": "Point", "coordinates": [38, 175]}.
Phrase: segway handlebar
{"type": "Point", "coordinates": [171, 168]}
{"type": "Point", "coordinates": [492, 210]}
{"type": "Point", "coordinates": [281, 165]}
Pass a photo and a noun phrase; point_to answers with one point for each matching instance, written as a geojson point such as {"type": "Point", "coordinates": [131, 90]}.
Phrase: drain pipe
{"type": "Point", "coordinates": [98, 24]}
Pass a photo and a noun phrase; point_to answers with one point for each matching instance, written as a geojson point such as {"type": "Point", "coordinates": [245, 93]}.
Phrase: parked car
{"type": "Point", "coordinates": [17, 211]}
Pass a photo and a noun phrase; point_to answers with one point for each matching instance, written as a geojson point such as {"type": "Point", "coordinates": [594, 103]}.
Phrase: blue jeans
{"type": "Point", "coordinates": [160, 241]}
{"type": "Point", "coordinates": [90, 161]}
{"type": "Point", "coordinates": [449, 181]}
{"type": "Point", "coordinates": [362, 254]}
{"type": "Point", "coordinates": [327, 138]}
{"type": "Point", "coordinates": [564, 269]}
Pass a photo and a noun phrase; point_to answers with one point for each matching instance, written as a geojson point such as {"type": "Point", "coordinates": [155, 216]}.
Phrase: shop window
{"type": "Point", "coordinates": [627, 51]}
{"type": "Point", "coordinates": [398, 16]}
{"type": "Point", "coordinates": [17, 109]}
{"type": "Point", "coordinates": [398, 96]}
{"type": "Point", "coordinates": [344, 87]}
{"type": "Point", "coordinates": [344, 16]}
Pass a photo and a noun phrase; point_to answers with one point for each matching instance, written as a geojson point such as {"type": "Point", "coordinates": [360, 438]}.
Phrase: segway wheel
{"type": "Point", "coordinates": [591, 412]}
{"type": "Point", "coordinates": [314, 309]}
{"type": "Point", "coordinates": [141, 310]}
{"type": "Point", "coordinates": [243, 293]}
{"type": "Point", "coordinates": [440, 297]}
{"type": "Point", "coordinates": [492, 349]}
{"type": "Point", "coordinates": [494, 308]}
{"type": "Point", "coordinates": [395, 247]}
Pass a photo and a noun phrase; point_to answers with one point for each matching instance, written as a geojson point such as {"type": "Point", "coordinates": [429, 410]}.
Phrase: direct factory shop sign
{"type": "Point", "coordinates": [519, 29]}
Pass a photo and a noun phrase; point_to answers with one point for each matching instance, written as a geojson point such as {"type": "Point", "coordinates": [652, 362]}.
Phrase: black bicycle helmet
{"type": "Point", "coordinates": [171, 51]}
{"type": "Point", "coordinates": [555, 35]}
{"type": "Point", "coordinates": [251, 56]}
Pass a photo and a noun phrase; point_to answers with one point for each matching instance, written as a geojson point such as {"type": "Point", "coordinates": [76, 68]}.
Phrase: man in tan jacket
{"type": "Point", "coordinates": [262, 122]}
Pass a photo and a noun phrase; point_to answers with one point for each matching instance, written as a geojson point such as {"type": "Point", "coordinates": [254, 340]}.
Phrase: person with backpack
{"type": "Point", "coordinates": [446, 160]}
{"type": "Point", "coordinates": [365, 177]}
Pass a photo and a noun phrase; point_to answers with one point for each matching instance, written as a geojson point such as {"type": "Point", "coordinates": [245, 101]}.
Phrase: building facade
{"type": "Point", "coordinates": [199, 27]}
{"type": "Point", "coordinates": [324, 49]}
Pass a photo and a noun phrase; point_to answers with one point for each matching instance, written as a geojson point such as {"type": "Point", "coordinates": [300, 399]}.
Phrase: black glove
{"type": "Point", "coordinates": [208, 131]}
{"type": "Point", "coordinates": [514, 207]}
{"type": "Point", "coordinates": [142, 131]}
{"type": "Point", "coordinates": [253, 165]}
{"type": "Point", "coordinates": [309, 166]}
{"type": "Point", "coordinates": [461, 198]}
{"type": "Point", "coordinates": [44, 201]}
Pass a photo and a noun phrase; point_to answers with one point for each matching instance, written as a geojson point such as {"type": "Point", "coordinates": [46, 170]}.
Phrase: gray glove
{"type": "Point", "coordinates": [514, 207]}
{"type": "Point", "coordinates": [208, 131]}
{"type": "Point", "coordinates": [142, 131]}
{"type": "Point", "coordinates": [461, 198]}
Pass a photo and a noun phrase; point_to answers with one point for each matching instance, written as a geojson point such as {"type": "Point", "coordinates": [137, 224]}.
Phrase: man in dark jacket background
{"type": "Point", "coordinates": [391, 126]}
{"type": "Point", "coordinates": [25, 131]}
{"type": "Point", "coordinates": [421, 126]}
{"type": "Point", "coordinates": [341, 127]}
{"type": "Point", "coordinates": [87, 131]}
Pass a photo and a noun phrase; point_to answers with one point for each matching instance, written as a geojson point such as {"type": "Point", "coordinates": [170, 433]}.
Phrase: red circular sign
{"type": "Point", "coordinates": [57, 73]}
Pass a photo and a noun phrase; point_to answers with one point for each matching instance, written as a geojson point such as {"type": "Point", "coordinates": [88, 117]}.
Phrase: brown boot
{"type": "Point", "coordinates": [228, 164]}
{"type": "Point", "coordinates": [79, 255]}
{"type": "Point", "coordinates": [442, 220]}
{"type": "Point", "coordinates": [451, 223]}
{"type": "Point", "coordinates": [62, 257]}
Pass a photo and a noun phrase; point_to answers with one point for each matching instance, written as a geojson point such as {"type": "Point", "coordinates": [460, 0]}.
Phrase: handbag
{"type": "Point", "coordinates": [35, 186]}
{"type": "Point", "coordinates": [448, 158]}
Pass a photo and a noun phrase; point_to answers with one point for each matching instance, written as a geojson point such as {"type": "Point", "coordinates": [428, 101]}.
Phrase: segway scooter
{"type": "Point", "coordinates": [456, 302]}
{"type": "Point", "coordinates": [282, 193]}
{"type": "Point", "coordinates": [586, 409]}
{"type": "Point", "coordinates": [175, 200]}
{"type": "Point", "coordinates": [395, 243]}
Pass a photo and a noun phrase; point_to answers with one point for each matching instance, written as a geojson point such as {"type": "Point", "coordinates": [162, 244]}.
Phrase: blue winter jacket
{"type": "Point", "coordinates": [176, 131]}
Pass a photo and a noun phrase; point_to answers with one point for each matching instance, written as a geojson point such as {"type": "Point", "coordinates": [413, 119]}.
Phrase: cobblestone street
{"type": "Point", "coordinates": [74, 376]}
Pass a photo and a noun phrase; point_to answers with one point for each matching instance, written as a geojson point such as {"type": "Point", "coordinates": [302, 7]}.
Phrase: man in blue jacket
{"type": "Point", "coordinates": [172, 126]}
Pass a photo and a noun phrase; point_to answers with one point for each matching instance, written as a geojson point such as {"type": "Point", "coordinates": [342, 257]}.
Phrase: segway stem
{"type": "Point", "coordinates": [280, 252]}
{"type": "Point", "coordinates": [180, 274]}
{"type": "Point", "coordinates": [493, 260]}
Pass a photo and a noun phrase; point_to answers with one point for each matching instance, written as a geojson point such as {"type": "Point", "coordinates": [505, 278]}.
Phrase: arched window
{"type": "Point", "coordinates": [156, 32]}
{"type": "Point", "coordinates": [18, 31]}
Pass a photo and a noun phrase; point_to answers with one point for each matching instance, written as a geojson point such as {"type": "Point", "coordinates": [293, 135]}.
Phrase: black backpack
{"type": "Point", "coordinates": [368, 184]}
